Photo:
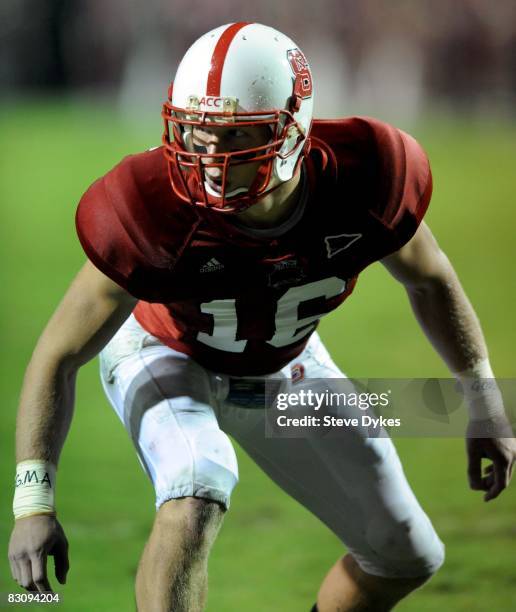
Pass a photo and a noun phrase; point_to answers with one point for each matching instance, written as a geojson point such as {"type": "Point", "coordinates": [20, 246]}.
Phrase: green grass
{"type": "Point", "coordinates": [271, 554]}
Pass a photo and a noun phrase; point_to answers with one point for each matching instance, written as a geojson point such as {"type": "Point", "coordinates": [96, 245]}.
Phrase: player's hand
{"type": "Point", "coordinates": [499, 447]}
{"type": "Point", "coordinates": [33, 539]}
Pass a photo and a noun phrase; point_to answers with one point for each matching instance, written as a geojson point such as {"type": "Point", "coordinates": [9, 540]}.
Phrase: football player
{"type": "Point", "coordinates": [210, 261]}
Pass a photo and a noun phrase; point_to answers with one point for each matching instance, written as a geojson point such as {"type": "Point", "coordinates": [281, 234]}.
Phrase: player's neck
{"type": "Point", "coordinates": [276, 207]}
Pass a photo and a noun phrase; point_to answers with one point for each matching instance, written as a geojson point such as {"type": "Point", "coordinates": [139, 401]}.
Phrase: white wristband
{"type": "Point", "coordinates": [34, 488]}
{"type": "Point", "coordinates": [481, 391]}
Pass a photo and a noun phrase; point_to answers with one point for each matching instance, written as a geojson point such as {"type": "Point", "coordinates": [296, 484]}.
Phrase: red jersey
{"type": "Point", "coordinates": [242, 304]}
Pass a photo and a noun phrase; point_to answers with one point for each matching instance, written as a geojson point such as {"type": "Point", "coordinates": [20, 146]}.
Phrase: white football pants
{"type": "Point", "coordinates": [178, 417]}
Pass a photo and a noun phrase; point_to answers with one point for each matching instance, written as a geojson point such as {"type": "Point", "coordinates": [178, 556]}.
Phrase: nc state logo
{"type": "Point", "coordinates": [301, 69]}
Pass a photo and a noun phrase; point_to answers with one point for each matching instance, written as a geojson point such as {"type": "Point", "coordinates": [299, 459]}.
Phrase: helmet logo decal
{"type": "Point", "coordinates": [302, 74]}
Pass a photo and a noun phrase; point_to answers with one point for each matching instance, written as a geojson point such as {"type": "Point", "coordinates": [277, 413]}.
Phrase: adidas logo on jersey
{"type": "Point", "coordinates": [212, 266]}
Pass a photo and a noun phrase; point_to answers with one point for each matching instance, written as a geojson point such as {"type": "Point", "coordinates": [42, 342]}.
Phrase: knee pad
{"type": "Point", "coordinates": [216, 463]}
{"type": "Point", "coordinates": [185, 459]}
{"type": "Point", "coordinates": [408, 549]}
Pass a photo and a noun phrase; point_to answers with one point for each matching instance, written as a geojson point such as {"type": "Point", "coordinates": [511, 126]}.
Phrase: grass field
{"type": "Point", "coordinates": [271, 554]}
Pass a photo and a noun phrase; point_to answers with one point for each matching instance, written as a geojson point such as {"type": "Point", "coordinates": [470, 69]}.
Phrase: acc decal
{"type": "Point", "coordinates": [213, 101]}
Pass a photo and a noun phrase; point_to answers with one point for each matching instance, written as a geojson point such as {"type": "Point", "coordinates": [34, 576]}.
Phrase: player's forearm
{"type": "Point", "coordinates": [89, 315]}
{"type": "Point", "coordinates": [448, 319]}
{"type": "Point", "coordinates": [46, 408]}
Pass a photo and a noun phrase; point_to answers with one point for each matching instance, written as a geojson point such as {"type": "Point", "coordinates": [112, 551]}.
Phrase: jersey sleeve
{"type": "Point", "coordinates": [132, 229]}
{"type": "Point", "coordinates": [103, 237]}
{"type": "Point", "coordinates": [405, 185]}
{"type": "Point", "coordinates": [384, 177]}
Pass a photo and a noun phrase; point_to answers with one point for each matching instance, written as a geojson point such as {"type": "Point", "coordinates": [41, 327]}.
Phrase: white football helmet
{"type": "Point", "coordinates": [243, 73]}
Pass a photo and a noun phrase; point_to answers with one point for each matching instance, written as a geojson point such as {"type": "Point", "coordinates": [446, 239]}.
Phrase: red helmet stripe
{"type": "Point", "coordinates": [219, 57]}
